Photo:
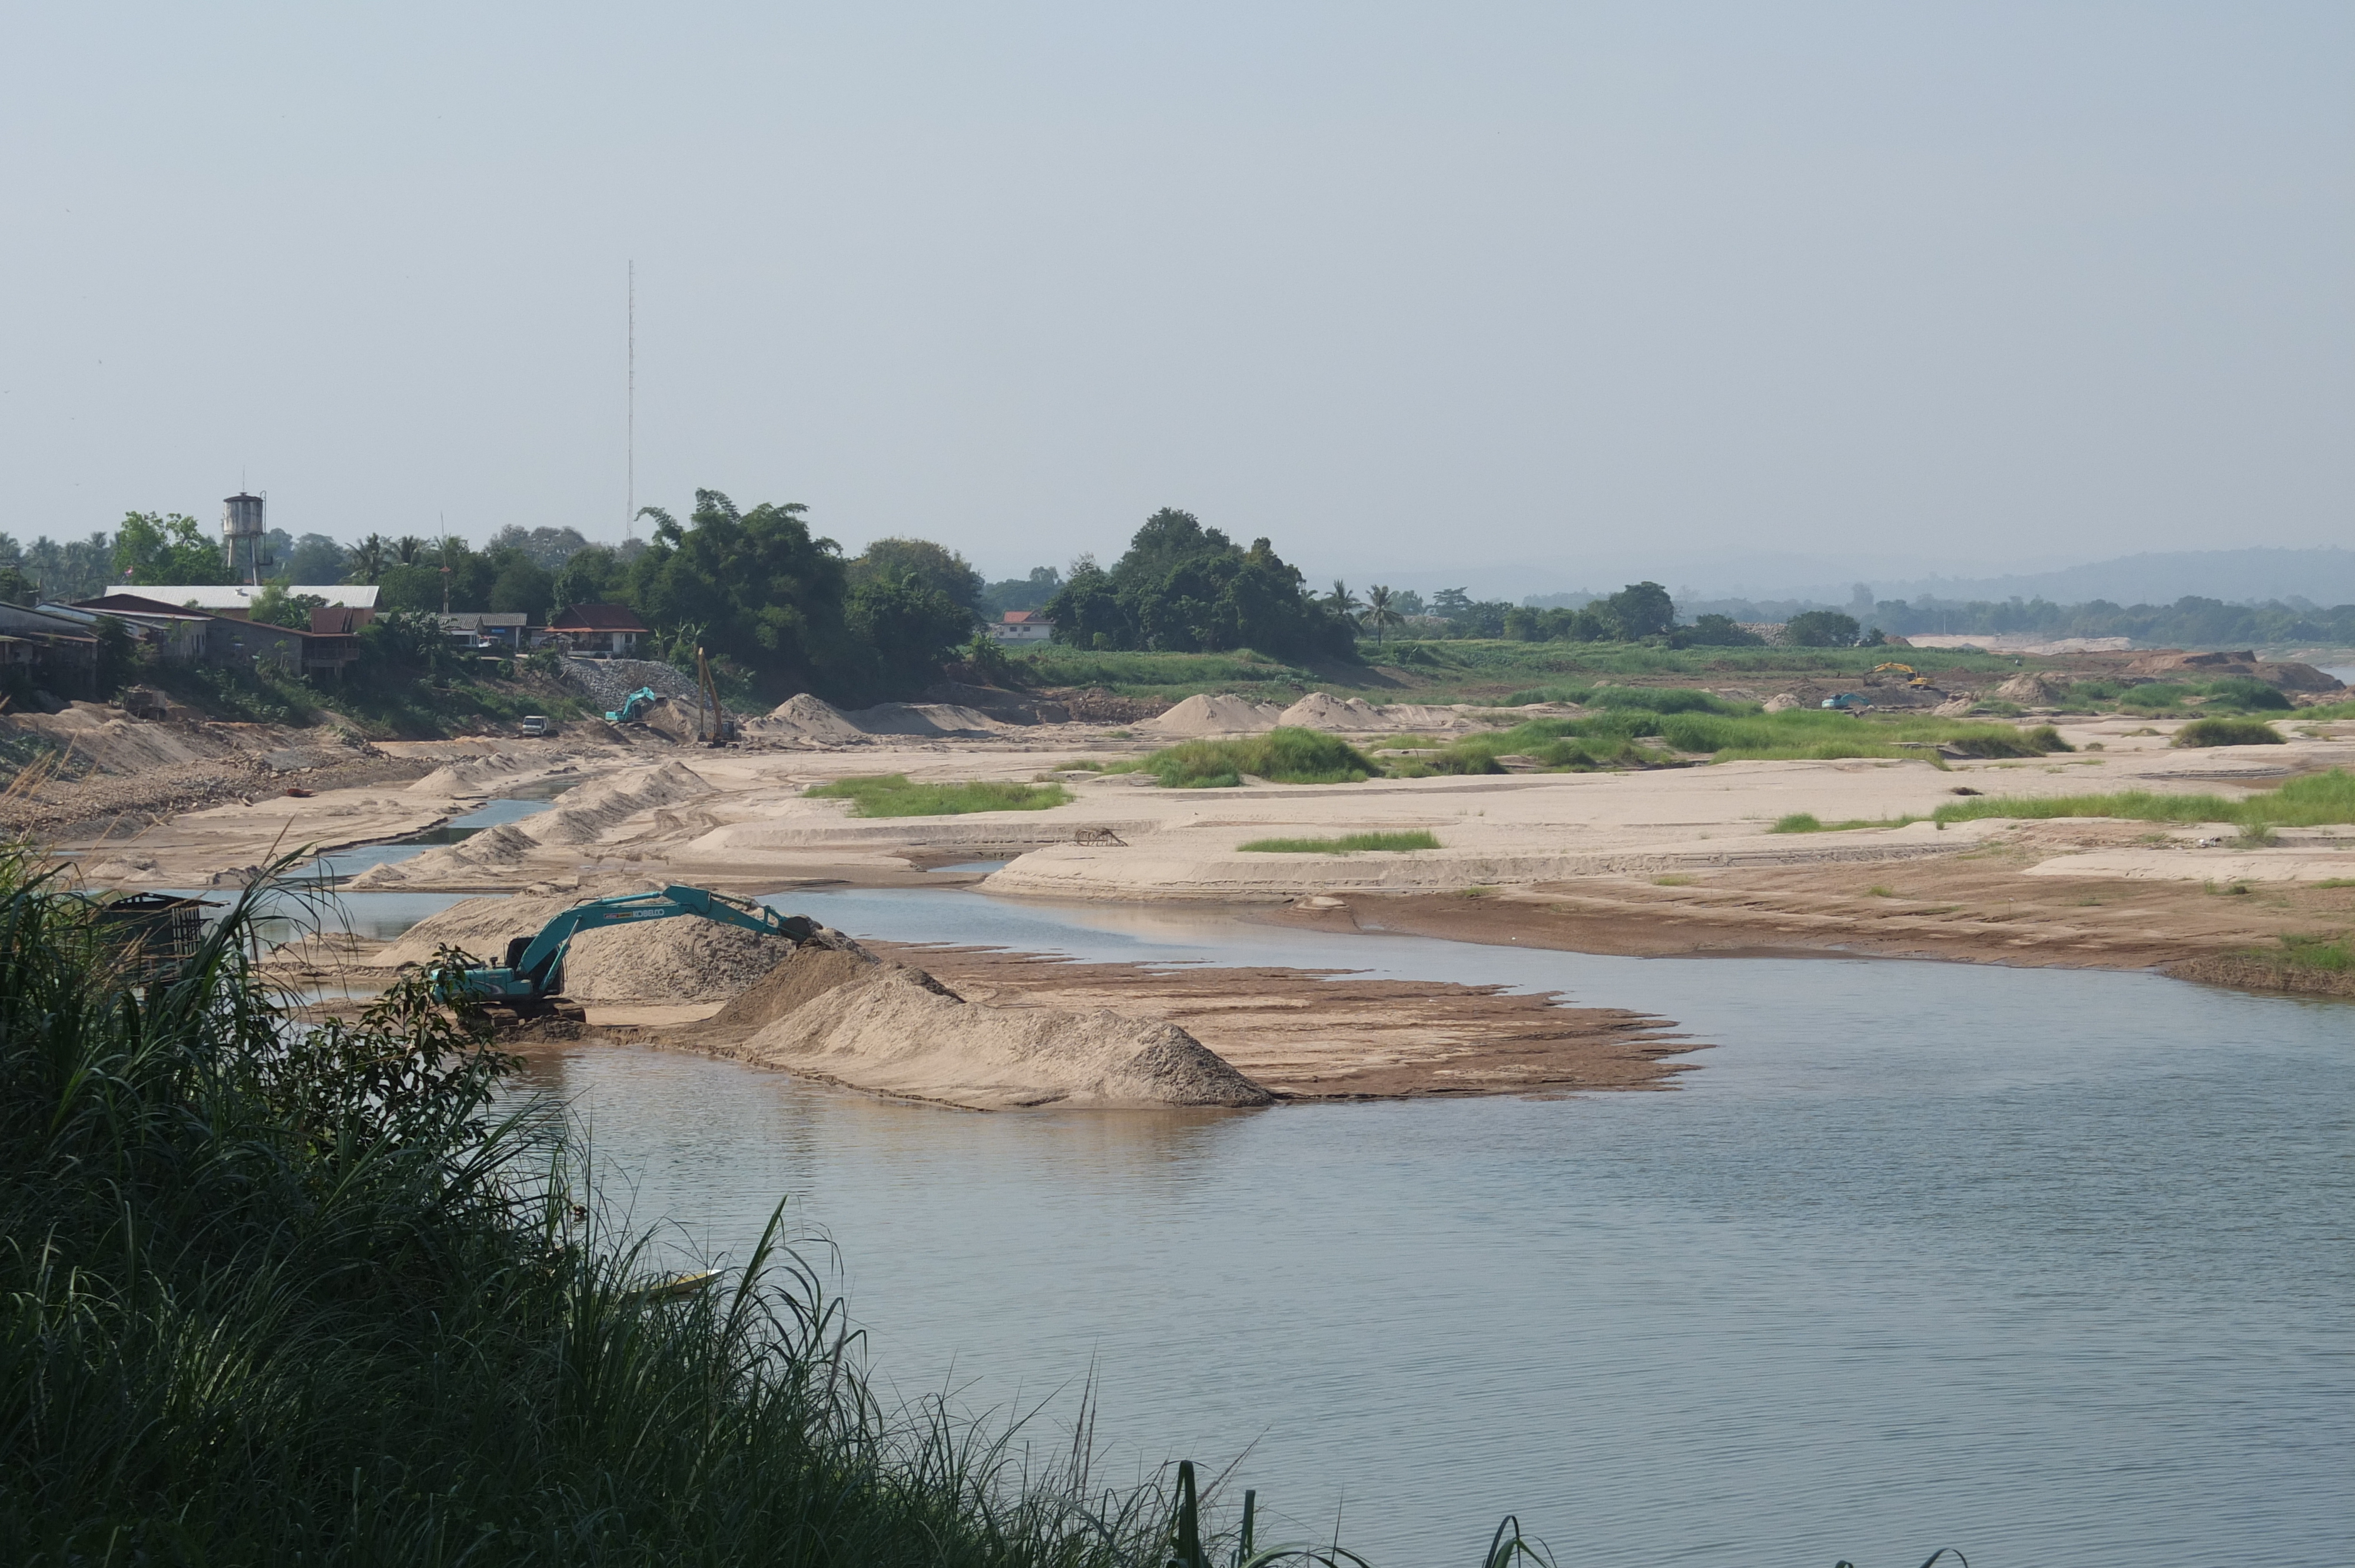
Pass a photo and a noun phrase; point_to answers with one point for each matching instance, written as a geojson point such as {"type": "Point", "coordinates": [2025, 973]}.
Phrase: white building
{"type": "Point", "coordinates": [236, 599]}
{"type": "Point", "coordinates": [1021, 626]}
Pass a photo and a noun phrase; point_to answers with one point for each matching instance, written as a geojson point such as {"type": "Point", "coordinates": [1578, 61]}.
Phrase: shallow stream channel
{"type": "Point", "coordinates": [2049, 1265]}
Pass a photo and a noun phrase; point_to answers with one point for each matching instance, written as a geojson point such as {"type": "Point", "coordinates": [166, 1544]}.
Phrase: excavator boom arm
{"type": "Point", "coordinates": [529, 971]}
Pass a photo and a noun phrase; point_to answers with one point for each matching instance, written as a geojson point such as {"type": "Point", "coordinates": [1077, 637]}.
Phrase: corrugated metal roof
{"type": "Point", "coordinates": [240, 595]}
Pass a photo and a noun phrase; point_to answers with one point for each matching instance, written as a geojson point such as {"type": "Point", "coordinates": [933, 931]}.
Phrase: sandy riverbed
{"type": "Point", "coordinates": [1663, 861]}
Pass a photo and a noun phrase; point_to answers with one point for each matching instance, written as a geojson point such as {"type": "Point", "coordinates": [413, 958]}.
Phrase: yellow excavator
{"type": "Point", "coordinates": [1919, 680]}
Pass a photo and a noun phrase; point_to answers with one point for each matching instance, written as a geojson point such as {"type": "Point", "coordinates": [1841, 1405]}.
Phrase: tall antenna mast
{"type": "Point", "coordinates": [630, 516]}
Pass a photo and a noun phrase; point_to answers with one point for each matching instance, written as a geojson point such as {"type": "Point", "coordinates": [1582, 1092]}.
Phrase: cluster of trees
{"type": "Point", "coordinates": [2191, 621]}
{"type": "Point", "coordinates": [1639, 612]}
{"type": "Point", "coordinates": [1183, 588]}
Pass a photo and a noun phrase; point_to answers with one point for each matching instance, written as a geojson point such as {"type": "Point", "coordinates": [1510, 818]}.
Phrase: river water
{"type": "Point", "coordinates": [2051, 1266]}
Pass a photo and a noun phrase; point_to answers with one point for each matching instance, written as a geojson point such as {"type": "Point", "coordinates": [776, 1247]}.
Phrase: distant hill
{"type": "Point", "coordinates": [2324, 577]}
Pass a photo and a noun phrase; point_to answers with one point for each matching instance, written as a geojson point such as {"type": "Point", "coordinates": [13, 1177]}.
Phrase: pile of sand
{"type": "Point", "coordinates": [581, 816]}
{"type": "Point", "coordinates": [2034, 689]}
{"type": "Point", "coordinates": [480, 926]}
{"type": "Point", "coordinates": [683, 960]}
{"type": "Point", "coordinates": [1782, 701]}
{"type": "Point", "coordinates": [1322, 710]}
{"type": "Point", "coordinates": [1222, 715]}
{"type": "Point", "coordinates": [923, 719]}
{"type": "Point", "coordinates": [894, 1031]}
{"type": "Point", "coordinates": [806, 718]}
{"type": "Point", "coordinates": [806, 974]}
{"type": "Point", "coordinates": [1429, 718]}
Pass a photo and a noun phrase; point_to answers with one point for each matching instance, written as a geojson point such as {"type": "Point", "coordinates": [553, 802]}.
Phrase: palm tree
{"type": "Point", "coordinates": [368, 559]}
{"type": "Point", "coordinates": [1380, 614]}
{"type": "Point", "coordinates": [1342, 602]}
{"type": "Point", "coordinates": [407, 547]}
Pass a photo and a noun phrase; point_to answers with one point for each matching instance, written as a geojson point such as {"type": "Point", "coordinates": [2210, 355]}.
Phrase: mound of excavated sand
{"type": "Point", "coordinates": [2034, 689]}
{"type": "Point", "coordinates": [1322, 710]}
{"type": "Point", "coordinates": [683, 960]}
{"type": "Point", "coordinates": [923, 719]}
{"type": "Point", "coordinates": [480, 926]}
{"type": "Point", "coordinates": [1782, 701]}
{"type": "Point", "coordinates": [807, 973]}
{"type": "Point", "coordinates": [581, 816]}
{"type": "Point", "coordinates": [1222, 715]}
{"type": "Point", "coordinates": [888, 1032]}
{"type": "Point", "coordinates": [1426, 718]}
{"type": "Point", "coordinates": [809, 719]}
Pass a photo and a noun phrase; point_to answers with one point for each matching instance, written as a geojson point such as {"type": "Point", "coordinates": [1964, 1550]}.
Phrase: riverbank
{"type": "Point", "coordinates": [1685, 859]}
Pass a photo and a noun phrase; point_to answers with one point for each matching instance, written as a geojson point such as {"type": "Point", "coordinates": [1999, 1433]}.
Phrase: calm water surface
{"type": "Point", "coordinates": [2051, 1266]}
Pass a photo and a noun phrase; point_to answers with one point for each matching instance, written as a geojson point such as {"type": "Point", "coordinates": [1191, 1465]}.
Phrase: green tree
{"type": "Point", "coordinates": [276, 606]}
{"type": "Point", "coordinates": [520, 584]}
{"type": "Point", "coordinates": [593, 576]}
{"type": "Point", "coordinates": [154, 548]}
{"type": "Point", "coordinates": [1716, 631]}
{"type": "Point", "coordinates": [909, 630]}
{"type": "Point", "coordinates": [1642, 609]}
{"type": "Point", "coordinates": [769, 593]}
{"type": "Point", "coordinates": [315, 558]}
{"type": "Point", "coordinates": [1185, 588]}
{"type": "Point", "coordinates": [1381, 610]}
{"type": "Point", "coordinates": [1341, 601]}
{"type": "Point", "coordinates": [934, 565]}
{"type": "Point", "coordinates": [1821, 629]}
{"type": "Point", "coordinates": [1022, 593]}
{"type": "Point", "coordinates": [367, 560]}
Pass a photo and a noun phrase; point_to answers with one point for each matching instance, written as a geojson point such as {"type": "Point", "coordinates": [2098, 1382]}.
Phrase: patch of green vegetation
{"type": "Point", "coordinates": [1807, 822]}
{"type": "Point", "coordinates": [2308, 801]}
{"type": "Point", "coordinates": [2336, 882]}
{"type": "Point", "coordinates": [1678, 880]}
{"type": "Point", "coordinates": [2227, 732]}
{"type": "Point", "coordinates": [891, 795]}
{"type": "Point", "coordinates": [282, 1294]}
{"type": "Point", "coordinates": [1169, 677]}
{"type": "Point", "coordinates": [1348, 843]}
{"type": "Point", "coordinates": [1286, 756]}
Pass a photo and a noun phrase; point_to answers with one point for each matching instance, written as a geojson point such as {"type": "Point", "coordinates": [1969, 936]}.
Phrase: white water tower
{"type": "Point", "coordinates": [241, 523]}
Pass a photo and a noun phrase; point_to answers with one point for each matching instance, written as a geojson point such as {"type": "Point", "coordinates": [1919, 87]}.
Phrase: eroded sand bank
{"type": "Point", "coordinates": [1666, 861]}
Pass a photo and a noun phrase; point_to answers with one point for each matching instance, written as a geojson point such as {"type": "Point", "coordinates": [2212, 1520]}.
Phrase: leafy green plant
{"type": "Point", "coordinates": [1286, 756]}
{"type": "Point", "coordinates": [1806, 822]}
{"type": "Point", "coordinates": [892, 794]}
{"type": "Point", "coordinates": [2227, 732]}
{"type": "Point", "coordinates": [1348, 843]}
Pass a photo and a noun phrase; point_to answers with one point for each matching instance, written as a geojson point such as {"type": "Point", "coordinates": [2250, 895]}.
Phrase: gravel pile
{"type": "Point", "coordinates": [606, 682]}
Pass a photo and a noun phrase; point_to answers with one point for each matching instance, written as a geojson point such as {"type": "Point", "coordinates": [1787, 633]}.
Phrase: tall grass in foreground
{"type": "Point", "coordinates": [891, 795]}
{"type": "Point", "coordinates": [282, 1295]}
{"type": "Point", "coordinates": [2309, 802]}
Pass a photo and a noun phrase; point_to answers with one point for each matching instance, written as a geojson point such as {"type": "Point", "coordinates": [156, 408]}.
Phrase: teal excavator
{"type": "Point", "coordinates": [632, 706]}
{"type": "Point", "coordinates": [527, 984]}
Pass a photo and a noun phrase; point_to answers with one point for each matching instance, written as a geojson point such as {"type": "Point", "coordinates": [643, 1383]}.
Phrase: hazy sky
{"type": "Point", "coordinates": [1543, 293]}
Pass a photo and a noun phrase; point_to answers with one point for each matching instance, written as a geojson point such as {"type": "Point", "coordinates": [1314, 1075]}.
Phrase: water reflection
{"type": "Point", "coordinates": [2049, 1264]}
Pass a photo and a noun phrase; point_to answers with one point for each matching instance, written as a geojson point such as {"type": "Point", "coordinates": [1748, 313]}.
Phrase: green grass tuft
{"type": "Point", "coordinates": [2227, 732]}
{"type": "Point", "coordinates": [891, 795]}
{"type": "Point", "coordinates": [1280, 756]}
{"type": "Point", "coordinates": [1348, 843]}
{"type": "Point", "coordinates": [2312, 800]}
{"type": "Point", "coordinates": [1806, 822]}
